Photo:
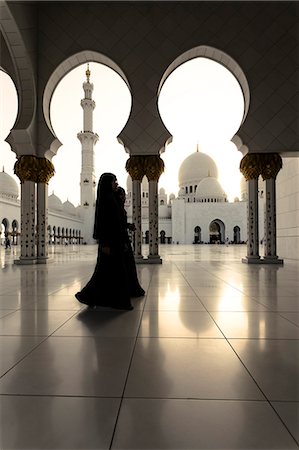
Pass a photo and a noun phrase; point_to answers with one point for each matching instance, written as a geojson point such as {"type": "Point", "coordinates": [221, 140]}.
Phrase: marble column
{"type": "Point", "coordinates": [136, 215]}
{"type": "Point", "coordinates": [250, 167]}
{"type": "Point", "coordinates": [135, 168]}
{"type": "Point", "coordinates": [153, 220]}
{"type": "Point", "coordinates": [33, 170]}
{"type": "Point", "coordinates": [28, 223]}
{"type": "Point", "coordinates": [154, 168]}
{"type": "Point", "coordinates": [42, 222]}
{"type": "Point", "coordinates": [271, 164]}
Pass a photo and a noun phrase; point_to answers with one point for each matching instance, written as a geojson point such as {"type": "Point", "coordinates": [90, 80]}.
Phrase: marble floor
{"type": "Point", "coordinates": [209, 359]}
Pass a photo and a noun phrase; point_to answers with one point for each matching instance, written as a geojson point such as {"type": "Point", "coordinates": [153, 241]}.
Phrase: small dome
{"type": "Point", "coordinates": [196, 167]}
{"type": "Point", "coordinates": [172, 196]}
{"type": "Point", "coordinates": [54, 203]}
{"type": "Point", "coordinates": [8, 185]}
{"type": "Point", "coordinates": [162, 191]}
{"type": "Point", "coordinates": [69, 208]}
{"type": "Point", "coordinates": [210, 188]}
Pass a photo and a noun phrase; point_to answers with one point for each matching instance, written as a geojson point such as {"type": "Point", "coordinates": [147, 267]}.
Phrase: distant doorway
{"type": "Point", "coordinates": [237, 235]}
{"type": "Point", "coordinates": [197, 235]}
{"type": "Point", "coordinates": [217, 232]}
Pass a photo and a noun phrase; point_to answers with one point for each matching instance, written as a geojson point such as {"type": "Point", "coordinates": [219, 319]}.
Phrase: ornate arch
{"type": "Point", "coordinates": [216, 55]}
{"type": "Point", "coordinates": [67, 66]}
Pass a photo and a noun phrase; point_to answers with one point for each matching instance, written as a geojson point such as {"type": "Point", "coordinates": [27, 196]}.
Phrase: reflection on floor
{"type": "Point", "coordinates": [207, 360]}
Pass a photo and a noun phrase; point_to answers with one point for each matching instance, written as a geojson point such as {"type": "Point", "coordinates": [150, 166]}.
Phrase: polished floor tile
{"type": "Point", "coordinates": [14, 348]}
{"type": "Point", "coordinates": [196, 324]}
{"type": "Point", "coordinates": [208, 358]}
{"type": "Point", "coordinates": [64, 423]}
{"type": "Point", "coordinates": [274, 364]}
{"type": "Point", "coordinates": [102, 322]}
{"type": "Point", "coordinates": [259, 325]}
{"type": "Point", "coordinates": [32, 322]}
{"type": "Point", "coordinates": [173, 302]}
{"type": "Point", "coordinates": [289, 413]}
{"type": "Point", "coordinates": [199, 424]}
{"type": "Point", "coordinates": [72, 367]}
{"type": "Point", "coordinates": [188, 368]}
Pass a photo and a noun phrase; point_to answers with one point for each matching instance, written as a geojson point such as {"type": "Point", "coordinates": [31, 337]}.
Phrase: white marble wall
{"type": "Point", "coordinates": [287, 209]}
{"type": "Point", "coordinates": [186, 216]}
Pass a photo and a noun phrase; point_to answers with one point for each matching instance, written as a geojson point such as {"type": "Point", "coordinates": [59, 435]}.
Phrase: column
{"type": "Point", "coordinates": [154, 167]}
{"type": "Point", "coordinates": [250, 168]}
{"type": "Point", "coordinates": [135, 168]}
{"type": "Point", "coordinates": [42, 222]}
{"type": "Point", "coordinates": [28, 244]}
{"type": "Point", "coordinates": [271, 165]}
{"type": "Point", "coordinates": [31, 170]}
{"type": "Point", "coordinates": [136, 215]}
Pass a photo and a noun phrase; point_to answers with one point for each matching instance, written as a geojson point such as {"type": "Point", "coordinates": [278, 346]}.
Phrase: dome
{"type": "Point", "coordinates": [54, 203]}
{"type": "Point", "coordinates": [144, 184]}
{"type": "Point", "coordinates": [209, 188]}
{"type": "Point", "coordinates": [196, 167]}
{"type": "Point", "coordinates": [69, 208]}
{"type": "Point", "coordinates": [8, 185]}
{"type": "Point", "coordinates": [161, 191]}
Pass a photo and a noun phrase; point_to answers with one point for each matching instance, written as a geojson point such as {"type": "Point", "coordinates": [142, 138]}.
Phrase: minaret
{"type": "Point", "coordinates": [88, 139]}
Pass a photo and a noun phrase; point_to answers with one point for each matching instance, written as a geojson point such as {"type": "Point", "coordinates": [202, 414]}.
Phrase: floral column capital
{"type": "Point", "coordinates": [33, 168]}
{"type": "Point", "coordinates": [250, 166]}
{"type": "Point", "coordinates": [154, 167]}
{"type": "Point", "coordinates": [271, 163]}
{"type": "Point", "coordinates": [135, 167]}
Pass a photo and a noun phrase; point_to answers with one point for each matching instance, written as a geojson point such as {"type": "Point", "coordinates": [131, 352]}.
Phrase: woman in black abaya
{"type": "Point", "coordinates": [108, 285]}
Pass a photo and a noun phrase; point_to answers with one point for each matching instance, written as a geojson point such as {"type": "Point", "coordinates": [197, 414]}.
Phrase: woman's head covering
{"type": "Point", "coordinates": [105, 184]}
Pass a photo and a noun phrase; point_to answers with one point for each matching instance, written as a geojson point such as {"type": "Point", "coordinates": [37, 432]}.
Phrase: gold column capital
{"type": "Point", "coordinates": [271, 163]}
{"type": "Point", "coordinates": [135, 167]}
{"type": "Point", "coordinates": [154, 167]}
{"type": "Point", "coordinates": [34, 168]}
{"type": "Point", "coordinates": [250, 166]}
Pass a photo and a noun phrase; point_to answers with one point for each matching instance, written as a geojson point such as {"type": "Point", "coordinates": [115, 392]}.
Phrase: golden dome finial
{"type": "Point", "coordinates": [87, 73]}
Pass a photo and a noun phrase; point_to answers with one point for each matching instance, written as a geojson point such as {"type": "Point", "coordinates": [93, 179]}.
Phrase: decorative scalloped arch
{"type": "Point", "coordinates": [67, 66]}
{"type": "Point", "coordinates": [216, 55]}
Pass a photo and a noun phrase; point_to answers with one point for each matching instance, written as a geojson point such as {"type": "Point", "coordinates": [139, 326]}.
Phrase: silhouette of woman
{"type": "Point", "coordinates": [108, 285]}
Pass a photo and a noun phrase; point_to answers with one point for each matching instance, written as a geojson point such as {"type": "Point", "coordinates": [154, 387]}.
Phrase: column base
{"type": "Point", "coordinates": [251, 260]}
{"type": "Point", "coordinates": [264, 260]}
{"type": "Point", "coordinates": [153, 259]}
{"type": "Point", "coordinates": [25, 261]}
{"type": "Point", "coordinates": [42, 260]}
{"type": "Point", "coordinates": [272, 260]}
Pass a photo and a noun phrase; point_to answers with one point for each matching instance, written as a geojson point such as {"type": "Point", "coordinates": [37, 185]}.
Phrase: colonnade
{"type": "Point", "coordinates": [151, 166]}
{"type": "Point", "coordinates": [252, 166]}
{"type": "Point", "coordinates": [35, 173]}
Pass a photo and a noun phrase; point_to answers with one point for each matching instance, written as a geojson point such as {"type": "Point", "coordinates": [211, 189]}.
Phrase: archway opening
{"type": "Point", "coordinates": [217, 232]}
{"type": "Point", "coordinates": [8, 115]}
{"type": "Point", "coordinates": [112, 108]}
{"type": "Point", "coordinates": [201, 102]}
{"type": "Point", "coordinates": [197, 235]}
{"type": "Point", "coordinates": [237, 234]}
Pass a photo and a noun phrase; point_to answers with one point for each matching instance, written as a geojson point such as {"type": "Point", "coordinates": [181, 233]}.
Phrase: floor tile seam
{"type": "Point", "coordinates": [23, 357]}
{"type": "Point", "coordinates": [129, 365]}
{"type": "Point", "coordinates": [283, 422]}
{"type": "Point", "coordinates": [212, 399]}
{"type": "Point", "coordinates": [262, 392]}
{"type": "Point", "coordinates": [289, 320]}
{"type": "Point", "coordinates": [60, 396]}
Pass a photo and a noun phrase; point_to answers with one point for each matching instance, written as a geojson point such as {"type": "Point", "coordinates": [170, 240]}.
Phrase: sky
{"type": "Point", "coordinates": [201, 103]}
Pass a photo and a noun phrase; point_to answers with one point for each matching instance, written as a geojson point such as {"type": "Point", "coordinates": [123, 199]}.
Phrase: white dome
{"type": "Point", "coordinates": [162, 191]}
{"type": "Point", "coordinates": [8, 185]}
{"type": "Point", "coordinates": [196, 167]}
{"type": "Point", "coordinates": [69, 208]}
{"type": "Point", "coordinates": [209, 188]}
{"type": "Point", "coordinates": [54, 203]}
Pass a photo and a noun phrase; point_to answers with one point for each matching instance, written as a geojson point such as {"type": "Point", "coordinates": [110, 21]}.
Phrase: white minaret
{"type": "Point", "coordinates": [88, 139]}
